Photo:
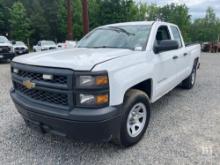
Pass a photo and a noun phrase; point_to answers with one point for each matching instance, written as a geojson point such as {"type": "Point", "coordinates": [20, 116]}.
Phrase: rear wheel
{"type": "Point", "coordinates": [189, 82]}
{"type": "Point", "coordinates": [135, 118]}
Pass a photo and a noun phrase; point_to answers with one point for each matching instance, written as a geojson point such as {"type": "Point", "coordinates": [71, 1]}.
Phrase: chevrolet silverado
{"type": "Point", "coordinates": [102, 89]}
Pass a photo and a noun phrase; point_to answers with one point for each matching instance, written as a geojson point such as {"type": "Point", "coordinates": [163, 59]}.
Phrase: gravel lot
{"type": "Point", "coordinates": [184, 129]}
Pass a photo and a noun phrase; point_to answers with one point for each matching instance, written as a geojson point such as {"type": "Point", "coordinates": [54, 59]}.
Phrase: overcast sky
{"type": "Point", "coordinates": [197, 8]}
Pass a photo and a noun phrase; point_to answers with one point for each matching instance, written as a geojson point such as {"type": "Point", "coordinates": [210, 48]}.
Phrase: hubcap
{"type": "Point", "coordinates": [136, 119]}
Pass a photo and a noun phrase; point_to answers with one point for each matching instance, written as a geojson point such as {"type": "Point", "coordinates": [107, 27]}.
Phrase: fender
{"type": "Point", "coordinates": [123, 76]}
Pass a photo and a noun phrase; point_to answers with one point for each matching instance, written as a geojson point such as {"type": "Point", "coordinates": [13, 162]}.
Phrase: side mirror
{"type": "Point", "coordinates": [13, 42]}
{"type": "Point", "coordinates": [166, 45]}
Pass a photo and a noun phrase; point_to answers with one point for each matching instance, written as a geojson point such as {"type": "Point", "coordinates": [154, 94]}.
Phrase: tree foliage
{"type": "Point", "coordinates": [173, 13]}
{"type": "Point", "coordinates": [20, 24]}
{"type": "Point", "coordinates": [207, 28]}
{"type": "Point", "coordinates": [40, 19]}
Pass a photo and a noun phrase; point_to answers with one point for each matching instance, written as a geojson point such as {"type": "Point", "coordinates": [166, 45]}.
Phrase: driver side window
{"type": "Point", "coordinates": [162, 34]}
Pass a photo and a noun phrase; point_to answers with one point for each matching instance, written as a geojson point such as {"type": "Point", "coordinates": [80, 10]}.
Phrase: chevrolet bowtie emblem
{"type": "Point", "coordinates": [28, 84]}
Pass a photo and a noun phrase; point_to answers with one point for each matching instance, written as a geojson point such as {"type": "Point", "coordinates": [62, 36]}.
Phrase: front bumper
{"type": "Point", "coordinates": [81, 124]}
{"type": "Point", "coordinates": [6, 56]}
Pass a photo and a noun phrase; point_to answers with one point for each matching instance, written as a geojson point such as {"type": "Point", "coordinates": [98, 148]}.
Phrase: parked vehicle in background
{"type": "Point", "coordinates": [212, 47]}
{"type": "Point", "coordinates": [70, 44]}
{"type": "Point", "coordinates": [61, 45]}
{"type": "Point", "coordinates": [205, 46]}
{"type": "Point", "coordinates": [6, 49]}
{"type": "Point", "coordinates": [103, 88]}
{"type": "Point", "coordinates": [67, 44]}
{"type": "Point", "coordinates": [44, 45]}
{"type": "Point", "coordinates": [20, 48]}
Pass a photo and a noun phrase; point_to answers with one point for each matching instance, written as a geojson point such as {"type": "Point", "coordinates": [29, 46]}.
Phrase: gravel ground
{"type": "Point", "coordinates": [184, 129]}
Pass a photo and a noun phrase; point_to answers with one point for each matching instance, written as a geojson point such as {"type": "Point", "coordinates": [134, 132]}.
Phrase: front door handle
{"type": "Point", "coordinates": [175, 57]}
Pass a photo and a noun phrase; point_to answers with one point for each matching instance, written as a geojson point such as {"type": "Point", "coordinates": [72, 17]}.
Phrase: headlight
{"type": "Point", "coordinates": [92, 81]}
{"type": "Point", "coordinates": [93, 100]}
{"type": "Point", "coordinates": [92, 89]}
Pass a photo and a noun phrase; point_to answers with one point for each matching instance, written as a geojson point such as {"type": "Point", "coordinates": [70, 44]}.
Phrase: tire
{"type": "Point", "coordinates": [135, 117]}
{"type": "Point", "coordinates": [189, 82]}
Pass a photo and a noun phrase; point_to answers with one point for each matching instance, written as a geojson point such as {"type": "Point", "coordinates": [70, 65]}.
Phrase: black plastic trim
{"type": "Point", "coordinates": [96, 90]}
{"type": "Point", "coordinates": [76, 114]}
{"type": "Point", "coordinates": [7, 56]}
{"type": "Point", "coordinates": [47, 70]}
{"type": "Point", "coordinates": [47, 86]}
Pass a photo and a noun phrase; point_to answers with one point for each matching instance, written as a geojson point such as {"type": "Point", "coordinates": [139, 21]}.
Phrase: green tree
{"type": "Point", "coordinates": [62, 18]}
{"type": "Point", "coordinates": [152, 12]}
{"type": "Point", "coordinates": [94, 9]}
{"type": "Point", "coordinates": [4, 17]}
{"type": "Point", "coordinates": [173, 13]}
{"type": "Point", "coordinates": [20, 24]}
{"type": "Point", "coordinates": [207, 28]}
{"type": "Point", "coordinates": [40, 19]}
{"type": "Point", "coordinates": [77, 19]}
{"type": "Point", "coordinates": [177, 14]}
{"type": "Point", "coordinates": [38, 22]}
{"type": "Point", "coordinates": [142, 11]}
{"type": "Point", "coordinates": [50, 12]}
{"type": "Point", "coordinates": [103, 12]}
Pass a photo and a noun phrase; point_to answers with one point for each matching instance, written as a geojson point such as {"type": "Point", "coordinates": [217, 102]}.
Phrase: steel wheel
{"type": "Point", "coordinates": [136, 119]}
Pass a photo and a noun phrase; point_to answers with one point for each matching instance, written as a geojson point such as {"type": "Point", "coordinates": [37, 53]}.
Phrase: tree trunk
{"type": "Point", "coordinates": [85, 16]}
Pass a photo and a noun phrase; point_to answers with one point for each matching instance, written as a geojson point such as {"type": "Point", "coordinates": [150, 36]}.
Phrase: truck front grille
{"type": "Point", "coordinates": [39, 76]}
{"type": "Point", "coordinates": [55, 92]}
{"type": "Point", "coordinates": [4, 49]}
{"type": "Point", "coordinates": [44, 96]}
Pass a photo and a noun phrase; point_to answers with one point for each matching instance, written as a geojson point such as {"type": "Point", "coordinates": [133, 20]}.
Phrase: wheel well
{"type": "Point", "coordinates": [145, 86]}
{"type": "Point", "coordinates": [196, 61]}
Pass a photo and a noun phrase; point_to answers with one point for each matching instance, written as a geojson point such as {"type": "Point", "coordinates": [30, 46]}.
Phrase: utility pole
{"type": "Point", "coordinates": [69, 20]}
{"type": "Point", "coordinates": [85, 16]}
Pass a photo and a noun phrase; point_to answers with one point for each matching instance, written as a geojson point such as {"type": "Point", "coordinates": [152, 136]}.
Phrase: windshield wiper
{"type": "Point", "coordinates": [121, 30]}
{"type": "Point", "coordinates": [102, 47]}
{"type": "Point", "coordinates": [98, 47]}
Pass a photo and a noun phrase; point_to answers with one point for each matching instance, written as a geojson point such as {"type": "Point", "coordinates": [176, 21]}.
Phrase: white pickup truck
{"type": "Point", "coordinates": [44, 45]}
{"type": "Point", "coordinates": [6, 49]}
{"type": "Point", "coordinates": [102, 89]}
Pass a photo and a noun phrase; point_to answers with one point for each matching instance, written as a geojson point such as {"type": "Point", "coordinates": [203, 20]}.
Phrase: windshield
{"type": "Point", "coordinates": [48, 43]}
{"type": "Point", "coordinates": [132, 37]}
{"type": "Point", "coordinates": [3, 39]}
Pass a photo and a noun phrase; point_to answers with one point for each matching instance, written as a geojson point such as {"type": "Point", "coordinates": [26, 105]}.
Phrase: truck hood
{"type": "Point", "coordinates": [6, 44]}
{"type": "Point", "coordinates": [76, 59]}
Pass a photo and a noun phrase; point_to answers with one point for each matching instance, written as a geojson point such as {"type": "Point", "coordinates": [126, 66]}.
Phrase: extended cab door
{"type": "Point", "coordinates": [183, 55]}
{"type": "Point", "coordinates": [166, 64]}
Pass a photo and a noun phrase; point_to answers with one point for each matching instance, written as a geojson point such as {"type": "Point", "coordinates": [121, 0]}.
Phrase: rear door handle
{"type": "Point", "coordinates": [175, 57]}
{"type": "Point", "coordinates": [185, 54]}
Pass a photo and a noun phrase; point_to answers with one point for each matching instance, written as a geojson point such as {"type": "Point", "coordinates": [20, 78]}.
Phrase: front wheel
{"type": "Point", "coordinates": [135, 118]}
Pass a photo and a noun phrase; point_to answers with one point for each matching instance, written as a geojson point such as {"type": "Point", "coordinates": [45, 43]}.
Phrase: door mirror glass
{"type": "Point", "coordinates": [165, 45]}
{"type": "Point", "coordinates": [13, 42]}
